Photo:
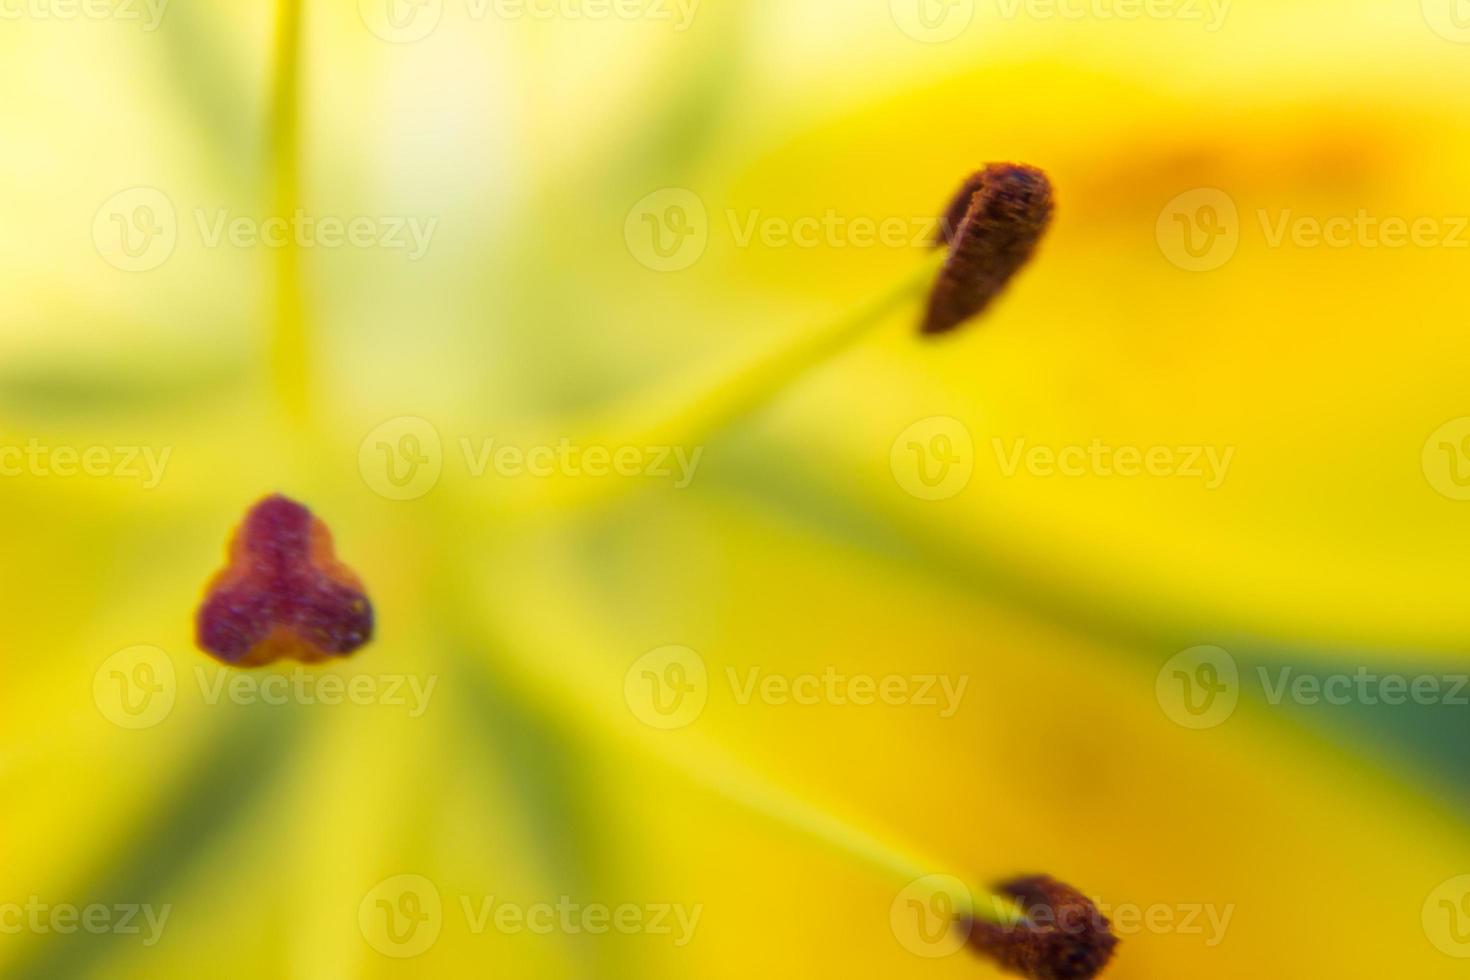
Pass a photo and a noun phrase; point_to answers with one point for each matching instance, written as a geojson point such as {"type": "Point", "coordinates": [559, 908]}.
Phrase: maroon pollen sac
{"type": "Point", "coordinates": [282, 593]}
{"type": "Point", "coordinates": [1063, 935]}
{"type": "Point", "coordinates": [991, 228]}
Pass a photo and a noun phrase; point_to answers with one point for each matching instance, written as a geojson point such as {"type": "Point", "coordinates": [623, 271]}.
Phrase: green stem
{"type": "Point", "coordinates": [703, 407]}
{"type": "Point", "coordinates": [288, 348]}
{"type": "Point", "coordinates": [573, 695]}
{"type": "Point", "coordinates": [698, 407]}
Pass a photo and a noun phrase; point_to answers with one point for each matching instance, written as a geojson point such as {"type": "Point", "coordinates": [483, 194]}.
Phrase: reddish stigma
{"type": "Point", "coordinates": [282, 593]}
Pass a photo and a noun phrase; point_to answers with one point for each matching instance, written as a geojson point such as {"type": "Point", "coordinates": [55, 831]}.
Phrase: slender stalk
{"type": "Point", "coordinates": [288, 342]}
{"type": "Point", "coordinates": [697, 407]}
{"type": "Point", "coordinates": [574, 695]}
{"type": "Point", "coordinates": [704, 406]}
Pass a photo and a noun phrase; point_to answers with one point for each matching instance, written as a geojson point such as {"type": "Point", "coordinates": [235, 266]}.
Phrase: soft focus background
{"type": "Point", "coordinates": [1181, 526]}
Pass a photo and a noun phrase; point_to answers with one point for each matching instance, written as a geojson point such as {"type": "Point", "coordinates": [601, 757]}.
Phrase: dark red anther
{"type": "Point", "coordinates": [283, 593]}
{"type": "Point", "coordinates": [991, 228]}
{"type": "Point", "coordinates": [1063, 935]}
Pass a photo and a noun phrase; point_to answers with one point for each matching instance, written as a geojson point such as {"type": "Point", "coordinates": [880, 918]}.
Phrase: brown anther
{"type": "Point", "coordinates": [991, 228]}
{"type": "Point", "coordinates": [1062, 936]}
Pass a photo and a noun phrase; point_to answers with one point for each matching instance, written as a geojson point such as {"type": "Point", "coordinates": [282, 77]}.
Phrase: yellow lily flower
{"type": "Point", "coordinates": [709, 640]}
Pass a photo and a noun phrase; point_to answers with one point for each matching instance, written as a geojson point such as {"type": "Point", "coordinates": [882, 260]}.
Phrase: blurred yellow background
{"type": "Point", "coordinates": [1153, 579]}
